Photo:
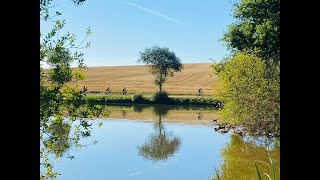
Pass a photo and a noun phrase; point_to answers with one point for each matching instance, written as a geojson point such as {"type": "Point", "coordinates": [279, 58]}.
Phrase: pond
{"type": "Point", "coordinates": [165, 142]}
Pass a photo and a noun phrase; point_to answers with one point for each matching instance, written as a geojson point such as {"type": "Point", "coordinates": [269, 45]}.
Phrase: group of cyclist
{"type": "Point", "coordinates": [124, 91]}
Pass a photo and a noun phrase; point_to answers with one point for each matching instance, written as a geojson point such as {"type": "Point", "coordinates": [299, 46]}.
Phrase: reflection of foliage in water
{"type": "Point", "coordinates": [59, 138]}
{"type": "Point", "coordinates": [160, 145]}
{"type": "Point", "coordinates": [240, 156]}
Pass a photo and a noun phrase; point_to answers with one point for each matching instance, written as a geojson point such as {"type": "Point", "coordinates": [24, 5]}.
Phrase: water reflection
{"type": "Point", "coordinates": [172, 113]}
{"type": "Point", "coordinates": [137, 108]}
{"type": "Point", "coordinates": [124, 113]}
{"type": "Point", "coordinates": [240, 155]}
{"type": "Point", "coordinates": [159, 147]}
{"type": "Point", "coordinates": [161, 144]}
{"type": "Point", "coordinates": [59, 138]}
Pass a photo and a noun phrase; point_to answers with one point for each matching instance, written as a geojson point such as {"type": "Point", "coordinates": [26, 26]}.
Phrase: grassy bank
{"type": "Point", "coordinates": [174, 100]}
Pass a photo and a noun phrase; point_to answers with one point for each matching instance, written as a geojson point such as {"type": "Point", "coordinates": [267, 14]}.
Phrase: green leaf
{"type": "Point", "coordinates": [258, 172]}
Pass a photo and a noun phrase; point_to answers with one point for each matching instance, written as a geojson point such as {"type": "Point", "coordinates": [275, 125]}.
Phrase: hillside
{"type": "Point", "coordinates": [138, 79]}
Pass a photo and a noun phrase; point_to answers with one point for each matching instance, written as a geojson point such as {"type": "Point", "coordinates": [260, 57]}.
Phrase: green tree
{"type": "Point", "coordinates": [162, 63]}
{"type": "Point", "coordinates": [258, 27]}
{"type": "Point", "coordinates": [252, 94]}
{"type": "Point", "coordinates": [250, 76]}
{"type": "Point", "coordinates": [61, 100]}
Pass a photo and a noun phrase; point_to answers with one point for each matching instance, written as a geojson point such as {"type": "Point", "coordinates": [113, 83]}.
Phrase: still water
{"type": "Point", "coordinates": [142, 143]}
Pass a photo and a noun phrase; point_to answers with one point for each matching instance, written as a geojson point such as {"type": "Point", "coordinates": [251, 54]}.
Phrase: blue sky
{"type": "Point", "coordinates": [122, 29]}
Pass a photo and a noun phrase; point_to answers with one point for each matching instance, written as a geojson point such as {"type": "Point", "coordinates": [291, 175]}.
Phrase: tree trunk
{"type": "Point", "coordinates": [160, 87]}
{"type": "Point", "coordinates": [160, 125]}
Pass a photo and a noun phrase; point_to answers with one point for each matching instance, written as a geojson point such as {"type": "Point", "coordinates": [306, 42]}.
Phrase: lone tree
{"type": "Point", "coordinates": [162, 63]}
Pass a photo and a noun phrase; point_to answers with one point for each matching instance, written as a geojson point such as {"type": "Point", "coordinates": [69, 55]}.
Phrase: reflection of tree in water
{"type": "Point", "coordinates": [239, 158]}
{"type": "Point", "coordinates": [59, 138]}
{"type": "Point", "coordinates": [56, 139]}
{"type": "Point", "coordinates": [137, 108]}
{"type": "Point", "coordinates": [160, 145]}
{"type": "Point", "coordinates": [160, 111]}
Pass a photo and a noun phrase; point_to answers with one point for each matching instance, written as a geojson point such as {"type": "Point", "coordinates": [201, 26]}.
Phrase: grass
{"type": "Point", "coordinates": [273, 176]}
{"type": "Point", "coordinates": [127, 100]}
{"type": "Point", "coordinates": [137, 79]}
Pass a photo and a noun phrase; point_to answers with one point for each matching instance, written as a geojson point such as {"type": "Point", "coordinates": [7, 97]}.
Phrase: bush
{"type": "Point", "coordinates": [137, 98]}
{"type": "Point", "coordinates": [252, 93]}
{"type": "Point", "coordinates": [160, 97]}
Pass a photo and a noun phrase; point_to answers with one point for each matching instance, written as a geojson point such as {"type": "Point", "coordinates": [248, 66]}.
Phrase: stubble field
{"type": "Point", "coordinates": [137, 79]}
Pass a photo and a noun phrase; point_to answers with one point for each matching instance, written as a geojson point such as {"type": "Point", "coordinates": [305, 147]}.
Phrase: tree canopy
{"type": "Point", "coordinates": [257, 28]}
{"type": "Point", "coordinates": [162, 63]}
{"type": "Point", "coordinates": [250, 77]}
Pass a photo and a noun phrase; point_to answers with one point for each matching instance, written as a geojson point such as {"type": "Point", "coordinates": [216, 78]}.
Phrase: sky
{"type": "Point", "coordinates": [122, 29]}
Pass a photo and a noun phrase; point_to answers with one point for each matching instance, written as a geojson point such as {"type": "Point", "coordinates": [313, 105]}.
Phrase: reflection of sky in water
{"type": "Point", "coordinates": [116, 155]}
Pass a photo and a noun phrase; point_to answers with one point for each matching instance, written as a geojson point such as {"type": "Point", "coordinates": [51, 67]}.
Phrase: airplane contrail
{"type": "Point", "coordinates": [153, 12]}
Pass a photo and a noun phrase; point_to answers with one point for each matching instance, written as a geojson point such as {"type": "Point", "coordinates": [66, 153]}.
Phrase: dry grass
{"type": "Point", "coordinates": [137, 79]}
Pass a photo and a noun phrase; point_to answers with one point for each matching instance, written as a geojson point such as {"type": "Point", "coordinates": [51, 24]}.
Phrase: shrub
{"type": "Point", "coordinates": [252, 93]}
{"type": "Point", "coordinates": [160, 97]}
{"type": "Point", "coordinates": [137, 98]}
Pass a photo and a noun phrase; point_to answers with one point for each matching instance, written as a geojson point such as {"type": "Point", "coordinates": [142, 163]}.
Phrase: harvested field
{"type": "Point", "coordinates": [137, 79]}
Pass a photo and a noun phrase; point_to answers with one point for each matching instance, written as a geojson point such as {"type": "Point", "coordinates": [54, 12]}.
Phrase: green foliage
{"type": "Point", "coordinates": [258, 171]}
{"type": "Point", "coordinates": [252, 93]}
{"type": "Point", "coordinates": [258, 27]}
{"type": "Point", "coordinates": [61, 100]}
{"type": "Point", "coordinates": [137, 98]}
{"type": "Point", "coordinates": [218, 67]}
{"type": "Point", "coordinates": [78, 75]}
{"type": "Point", "coordinates": [121, 99]}
{"type": "Point", "coordinates": [161, 97]}
{"type": "Point", "coordinates": [274, 176]}
{"type": "Point", "coordinates": [103, 99]}
{"type": "Point", "coordinates": [162, 63]}
{"type": "Point", "coordinates": [181, 101]}
{"type": "Point", "coordinates": [250, 78]}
